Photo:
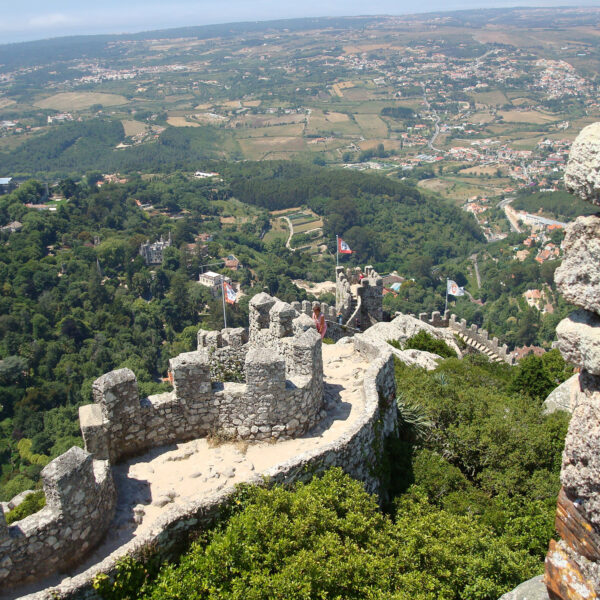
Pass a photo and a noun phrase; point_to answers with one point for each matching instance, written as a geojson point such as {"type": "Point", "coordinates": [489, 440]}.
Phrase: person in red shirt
{"type": "Point", "coordinates": [319, 320]}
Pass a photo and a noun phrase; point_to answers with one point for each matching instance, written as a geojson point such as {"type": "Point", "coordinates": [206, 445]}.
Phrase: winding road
{"type": "Point", "coordinates": [473, 257]}
{"type": "Point", "coordinates": [436, 123]}
{"type": "Point", "coordinates": [289, 240]}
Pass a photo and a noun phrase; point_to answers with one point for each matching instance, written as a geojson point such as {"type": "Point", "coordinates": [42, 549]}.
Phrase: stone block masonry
{"type": "Point", "coordinates": [227, 352]}
{"type": "Point", "coordinates": [80, 503]}
{"type": "Point", "coordinates": [357, 449]}
{"type": "Point", "coordinates": [282, 395]}
{"type": "Point", "coordinates": [573, 563]}
{"type": "Point", "coordinates": [280, 361]}
{"type": "Point", "coordinates": [474, 336]}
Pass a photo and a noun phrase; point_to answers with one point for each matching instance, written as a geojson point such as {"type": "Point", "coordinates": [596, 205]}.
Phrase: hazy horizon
{"type": "Point", "coordinates": [32, 20]}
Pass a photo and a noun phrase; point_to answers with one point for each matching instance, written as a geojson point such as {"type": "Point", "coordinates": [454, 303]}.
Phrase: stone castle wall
{"type": "Point", "coordinates": [370, 296]}
{"type": "Point", "coordinates": [226, 350]}
{"type": "Point", "coordinates": [281, 398]}
{"type": "Point", "coordinates": [365, 308]}
{"type": "Point", "coordinates": [573, 563]}
{"type": "Point", "coordinates": [356, 451]}
{"type": "Point", "coordinates": [343, 293]}
{"type": "Point", "coordinates": [473, 335]}
{"type": "Point", "coordinates": [80, 503]}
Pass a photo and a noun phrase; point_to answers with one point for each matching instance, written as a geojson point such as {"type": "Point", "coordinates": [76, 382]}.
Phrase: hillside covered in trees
{"type": "Point", "coordinates": [77, 299]}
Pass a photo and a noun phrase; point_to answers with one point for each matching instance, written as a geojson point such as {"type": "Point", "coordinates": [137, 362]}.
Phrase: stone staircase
{"type": "Point", "coordinates": [476, 338]}
{"type": "Point", "coordinates": [480, 348]}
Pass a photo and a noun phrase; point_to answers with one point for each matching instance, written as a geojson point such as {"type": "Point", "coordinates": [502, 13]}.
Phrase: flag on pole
{"type": "Point", "coordinates": [454, 289]}
{"type": "Point", "coordinates": [230, 295]}
{"type": "Point", "coordinates": [343, 248]}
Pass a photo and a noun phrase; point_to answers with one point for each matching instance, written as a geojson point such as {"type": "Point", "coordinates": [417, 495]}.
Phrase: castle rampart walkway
{"type": "Point", "coordinates": [170, 478]}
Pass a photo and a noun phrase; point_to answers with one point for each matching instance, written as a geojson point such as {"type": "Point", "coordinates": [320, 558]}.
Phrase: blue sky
{"type": "Point", "coordinates": [37, 19]}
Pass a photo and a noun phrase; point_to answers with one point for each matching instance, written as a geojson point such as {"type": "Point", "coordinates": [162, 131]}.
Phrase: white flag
{"type": "Point", "coordinates": [454, 289]}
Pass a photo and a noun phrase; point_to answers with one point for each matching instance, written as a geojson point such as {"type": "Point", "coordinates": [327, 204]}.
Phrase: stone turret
{"type": "Point", "coordinates": [573, 563]}
{"type": "Point", "coordinates": [359, 296]}
{"type": "Point", "coordinates": [265, 382]}
{"type": "Point", "coordinates": [80, 503]}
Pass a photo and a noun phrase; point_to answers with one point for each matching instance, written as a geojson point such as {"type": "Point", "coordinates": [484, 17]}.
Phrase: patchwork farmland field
{"type": "Point", "coordinates": [70, 101]}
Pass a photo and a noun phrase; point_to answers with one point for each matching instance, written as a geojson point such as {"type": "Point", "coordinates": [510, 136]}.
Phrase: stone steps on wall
{"type": "Point", "coordinates": [493, 356]}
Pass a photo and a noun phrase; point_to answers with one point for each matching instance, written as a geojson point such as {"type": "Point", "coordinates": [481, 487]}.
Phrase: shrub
{"type": "Point", "coordinates": [425, 341]}
{"type": "Point", "coordinates": [29, 506]}
{"type": "Point", "coordinates": [328, 539]}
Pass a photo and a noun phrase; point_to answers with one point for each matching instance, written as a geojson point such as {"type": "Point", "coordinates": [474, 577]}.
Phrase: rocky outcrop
{"type": "Point", "coordinates": [578, 277]}
{"type": "Point", "coordinates": [404, 327]}
{"type": "Point", "coordinates": [573, 563]}
{"type": "Point", "coordinates": [401, 329]}
{"type": "Point", "coordinates": [418, 358]}
{"type": "Point", "coordinates": [580, 474]}
{"type": "Point", "coordinates": [565, 397]}
{"type": "Point", "coordinates": [533, 589]}
{"type": "Point", "coordinates": [579, 340]}
{"type": "Point", "coordinates": [582, 176]}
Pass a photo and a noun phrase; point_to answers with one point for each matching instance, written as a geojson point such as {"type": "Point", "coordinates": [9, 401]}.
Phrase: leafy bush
{"type": "Point", "coordinates": [328, 539]}
{"type": "Point", "coordinates": [425, 341]}
{"type": "Point", "coordinates": [537, 376]}
{"type": "Point", "coordinates": [489, 452]}
{"type": "Point", "coordinates": [395, 344]}
{"type": "Point", "coordinates": [29, 506]}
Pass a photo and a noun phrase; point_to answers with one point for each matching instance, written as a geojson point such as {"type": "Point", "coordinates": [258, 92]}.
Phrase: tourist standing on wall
{"type": "Point", "coordinates": [319, 320]}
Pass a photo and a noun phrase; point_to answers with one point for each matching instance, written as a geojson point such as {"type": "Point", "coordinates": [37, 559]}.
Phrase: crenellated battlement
{"type": "Point", "coordinates": [473, 335]}
{"type": "Point", "coordinates": [359, 297]}
{"type": "Point", "coordinates": [278, 395]}
{"type": "Point", "coordinates": [80, 503]}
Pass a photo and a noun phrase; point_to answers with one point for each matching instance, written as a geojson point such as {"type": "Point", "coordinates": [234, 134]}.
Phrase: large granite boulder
{"type": "Point", "coordinates": [580, 473]}
{"type": "Point", "coordinates": [579, 340]}
{"type": "Point", "coordinates": [578, 277]}
{"type": "Point", "coordinates": [417, 358]}
{"type": "Point", "coordinates": [582, 176]}
{"type": "Point", "coordinates": [404, 327]}
{"type": "Point", "coordinates": [532, 589]}
{"type": "Point", "coordinates": [565, 397]}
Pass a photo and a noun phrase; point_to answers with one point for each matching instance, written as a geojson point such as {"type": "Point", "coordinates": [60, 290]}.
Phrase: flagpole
{"type": "Point", "coordinates": [337, 255]}
{"type": "Point", "coordinates": [446, 308]}
{"type": "Point", "coordinates": [223, 296]}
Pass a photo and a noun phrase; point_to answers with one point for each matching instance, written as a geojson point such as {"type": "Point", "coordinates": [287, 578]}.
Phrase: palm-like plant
{"type": "Point", "coordinates": [412, 418]}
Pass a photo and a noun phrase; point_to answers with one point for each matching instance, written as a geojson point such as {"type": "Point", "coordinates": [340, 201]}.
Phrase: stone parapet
{"type": "Point", "coordinates": [362, 306]}
{"type": "Point", "coordinates": [343, 294]}
{"type": "Point", "coordinates": [370, 296]}
{"type": "Point", "coordinates": [472, 335]}
{"type": "Point", "coordinates": [282, 395]}
{"type": "Point", "coordinates": [357, 451]}
{"type": "Point", "coordinates": [80, 503]}
{"type": "Point", "coordinates": [227, 351]}
{"type": "Point", "coordinates": [436, 319]}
